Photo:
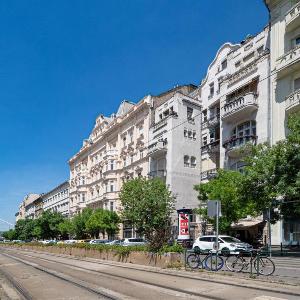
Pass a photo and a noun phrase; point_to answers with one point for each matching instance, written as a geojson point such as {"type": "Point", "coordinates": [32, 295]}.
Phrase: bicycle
{"type": "Point", "coordinates": [262, 264]}
{"type": "Point", "coordinates": [210, 260]}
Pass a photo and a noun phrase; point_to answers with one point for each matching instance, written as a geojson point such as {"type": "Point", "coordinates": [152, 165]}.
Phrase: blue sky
{"type": "Point", "coordinates": [64, 62]}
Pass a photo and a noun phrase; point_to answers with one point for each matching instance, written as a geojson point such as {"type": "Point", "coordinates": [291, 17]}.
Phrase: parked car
{"type": "Point", "coordinates": [114, 242]}
{"type": "Point", "coordinates": [226, 243]}
{"type": "Point", "coordinates": [70, 242]}
{"type": "Point", "coordinates": [46, 242]}
{"type": "Point", "coordinates": [133, 242]}
{"type": "Point", "coordinates": [97, 242]}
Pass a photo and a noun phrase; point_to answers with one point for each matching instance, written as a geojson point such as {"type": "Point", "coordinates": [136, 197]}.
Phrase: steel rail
{"type": "Point", "coordinates": [17, 285]}
{"type": "Point", "coordinates": [179, 290]}
{"type": "Point", "coordinates": [54, 274]}
{"type": "Point", "coordinates": [271, 290]}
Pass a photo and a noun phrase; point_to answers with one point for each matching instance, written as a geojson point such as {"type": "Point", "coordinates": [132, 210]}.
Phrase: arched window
{"type": "Point", "coordinates": [244, 129]}
{"type": "Point", "coordinates": [186, 160]}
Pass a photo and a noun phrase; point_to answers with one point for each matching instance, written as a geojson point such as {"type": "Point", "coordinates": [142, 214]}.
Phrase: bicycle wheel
{"type": "Point", "coordinates": [234, 263]}
{"type": "Point", "coordinates": [213, 262]}
{"type": "Point", "coordinates": [265, 265]}
{"type": "Point", "coordinates": [193, 261]}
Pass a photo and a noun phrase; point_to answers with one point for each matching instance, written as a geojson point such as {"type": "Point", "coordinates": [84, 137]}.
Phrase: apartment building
{"type": "Point", "coordinates": [116, 150]}
{"type": "Point", "coordinates": [235, 107]}
{"type": "Point", "coordinates": [173, 150]}
{"type": "Point", "coordinates": [285, 87]}
{"type": "Point", "coordinates": [57, 200]}
{"type": "Point", "coordinates": [29, 207]}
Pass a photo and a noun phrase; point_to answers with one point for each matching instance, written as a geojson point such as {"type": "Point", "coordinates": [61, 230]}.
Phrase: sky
{"type": "Point", "coordinates": [63, 62]}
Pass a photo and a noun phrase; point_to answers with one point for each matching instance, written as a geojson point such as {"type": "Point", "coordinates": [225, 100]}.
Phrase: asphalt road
{"type": "Point", "coordinates": [38, 275]}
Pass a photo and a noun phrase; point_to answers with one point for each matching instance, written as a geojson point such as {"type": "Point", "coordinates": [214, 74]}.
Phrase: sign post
{"type": "Point", "coordinates": [214, 210]}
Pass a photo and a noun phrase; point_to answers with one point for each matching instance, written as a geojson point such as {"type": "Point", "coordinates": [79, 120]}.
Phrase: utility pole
{"type": "Point", "coordinates": [269, 231]}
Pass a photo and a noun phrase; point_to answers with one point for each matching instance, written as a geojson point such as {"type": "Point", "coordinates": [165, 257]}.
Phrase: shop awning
{"type": "Point", "coordinates": [246, 224]}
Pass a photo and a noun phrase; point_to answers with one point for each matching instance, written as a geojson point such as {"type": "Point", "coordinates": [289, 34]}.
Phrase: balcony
{"type": "Point", "coordinates": [213, 121]}
{"type": "Point", "coordinates": [213, 147]}
{"type": "Point", "coordinates": [240, 108]}
{"type": "Point", "coordinates": [162, 174]}
{"type": "Point", "coordinates": [292, 18]}
{"type": "Point", "coordinates": [288, 62]}
{"type": "Point", "coordinates": [157, 148]}
{"type": "Point", "coordinates": [292, 102]}
{"type": "Point", "coordinates": [160, 124]}
{"type": "Point", "coordinates": [110, 153]}
{"type": "Point", "coordinates": [233, 145]}
{"type": "Point", "coordinates": [209, 174]}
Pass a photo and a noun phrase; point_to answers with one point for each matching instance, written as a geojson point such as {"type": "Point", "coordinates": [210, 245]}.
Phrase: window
{"type": "Point", "coordinates": [211, 89]}
{"type": "Point", "coordinates": [131, 136]}
{"type": "Point", "coordinates": [194, 135]}
{"type": "Point", "coordinates": [260, 49]}
{"type": "Point", "coordinates": [83, 197]}
{"type": "Point", "coordinates": [204, 115]}
{"type": "Point", "coordinates": [186, 161]}
{"type": "Point", "coordinates": [111, 186]}
{"type": "Point", "coordinates": [224, 64]}
{"type": "Point", "coordinates": [112, 163]}
{"type": "Point", "coordinates": [160, 116]}
{"type": "Point", "coordinates": [204, 140]}
{"type": "Point", "coordinates": [131, 159]}
{"type": "Point", "coordinates": [124, 162]}
{"type": "Point", "coordinates": [297, 84]}
{"type": "Point", "coordinates": [248, 57]}
{"type": "Point", "coordinates": [193, 162]}
{"type": "Point", "coordinates": [111, 206]}
{"type": "Point", "coordinates": [141, 154]}
{"type": "Point", "coordinates": [82, 180]}
{"type": "Point", "coordinates": [185, 132]}
{"type": "Point", "coordinates": [124, 141]}
{"type": "Point", "coordinates": [189, 113]}
{"type": "Point", "coordinates": [297, 41]}
{"type": "Point", "coordinates": [238, 63]}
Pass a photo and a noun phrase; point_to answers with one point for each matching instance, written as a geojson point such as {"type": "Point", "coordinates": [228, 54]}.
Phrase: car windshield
{"type": "Point", "coordinates": [229, 239]}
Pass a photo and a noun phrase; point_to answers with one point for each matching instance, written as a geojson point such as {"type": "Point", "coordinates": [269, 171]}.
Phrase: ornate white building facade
{"type": "Point", "coordinates": [119, 148]}
{"type": "Point", "coordinates": [285, 87]}
{"type": "Point", "coordinates": [235, 107]}
{"type": "Point", "coordinates": [57, 200]}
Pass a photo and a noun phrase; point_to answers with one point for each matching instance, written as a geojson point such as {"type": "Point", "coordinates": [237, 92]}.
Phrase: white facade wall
{"type": "Point", "coordinates": [174, 148]}
{"type": "Point", "coordinates": [57, 200]}
{"type": "Point", "coordinates": [284, 80]}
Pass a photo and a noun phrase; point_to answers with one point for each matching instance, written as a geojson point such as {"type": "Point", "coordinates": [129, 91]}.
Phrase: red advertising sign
{"type": "Point", "coordinates": [183, 224]}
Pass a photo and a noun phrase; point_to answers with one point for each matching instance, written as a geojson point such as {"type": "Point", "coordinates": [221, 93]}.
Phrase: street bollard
{"type": "Point", "coordinates": [251, 270]}
{"type": "Point", "coordinates": [257, 259]}
{"type": "Point", "coordinates": [185, 258]}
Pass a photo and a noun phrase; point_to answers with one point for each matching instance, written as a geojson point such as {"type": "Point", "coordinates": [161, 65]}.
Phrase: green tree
{"type": "Point", "coordinates": [148, 205]}
{"type": "Point", "coordinates": [112, 221]}
{"type": "Point", "coordinates": [103, 221]}
{"type": "Point", "coordinates": [79, 223]}
{"type": "Point", "coordinates": [66, 229]}
{"type": "Point", "coordinates": [95, 224]}
{"type": "Point", "coordinates": [226, 188]}
{"type": "Point", "coordinates": [49, 224]}
{"type": "Point", "coordinates": [10, 234]}
{"type": "Point", "coordinates": [273, 172]}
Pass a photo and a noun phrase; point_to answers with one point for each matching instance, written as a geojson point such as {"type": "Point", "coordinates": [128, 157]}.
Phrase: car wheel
{"type": "Point", "coordinates": [197, 249]}
{"type": "Point", "coordinates": [225, 251]}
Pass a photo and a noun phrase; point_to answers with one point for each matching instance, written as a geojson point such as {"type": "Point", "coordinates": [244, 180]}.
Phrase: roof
{"type": "Point", "coordinates": [30, 198]}
{"type": "Point", "coordinates": [124, 108]}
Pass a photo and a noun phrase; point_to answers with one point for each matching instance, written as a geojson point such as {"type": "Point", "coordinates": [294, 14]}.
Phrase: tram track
{"type": "Point", "coordinates": [208, 280]}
